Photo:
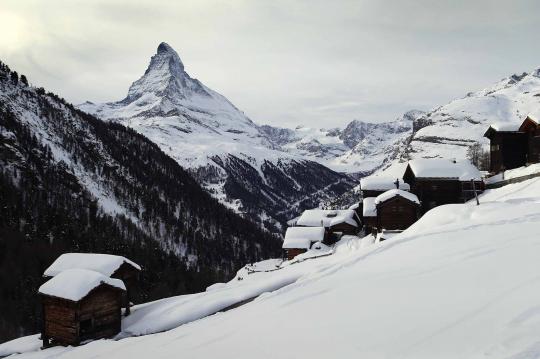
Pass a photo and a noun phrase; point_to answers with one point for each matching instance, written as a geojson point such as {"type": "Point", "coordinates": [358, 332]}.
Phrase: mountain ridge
{"type": "Point", "coordinates": [219, 144]}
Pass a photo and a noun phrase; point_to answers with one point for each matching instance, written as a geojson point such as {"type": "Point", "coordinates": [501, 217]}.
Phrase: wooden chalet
{"type": "Point", "coordinates": [369, 214]}
{"type": "Point", "coordinates": [80, 305]}
{"type": "Point", "coordinates": [396, 210]}
{"type": "Point", "coordinates": [299, 239]}
{"type": "Point", "coordinates": [336, 222]}
{"type": "Point", "coordinates": [531, 129]}
{"type": "Point", "coordinates": [375, 185]}
{"type": "Point", "coordinates": [513, 146]}
{"type": "Point", "coordinates": [437, 181]}
{"type": "Point", "coordinates": [107, 264]}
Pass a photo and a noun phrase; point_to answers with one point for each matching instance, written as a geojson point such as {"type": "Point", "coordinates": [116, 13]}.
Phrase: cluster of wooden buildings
{"type": "Point", "coordinates": [394, 204]}
{"type": "Point", "coordinates": [319, 225]}
{"type": "Point", "coordinates": [84, 295]}
{"type": "Point", "coordinates": [388, 204]}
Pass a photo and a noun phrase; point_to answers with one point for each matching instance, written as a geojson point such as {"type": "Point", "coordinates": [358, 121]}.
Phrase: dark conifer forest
{"type": "Point", "coordinates": [55, 158]}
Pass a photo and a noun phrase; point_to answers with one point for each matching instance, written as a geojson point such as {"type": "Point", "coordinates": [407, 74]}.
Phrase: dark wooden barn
{"type": "Point", "coordinates": [437, 181]}
{"type": "Point", "coordinates": [508, 147]}
{"type": "Point", "coordinates": [513, 146]}
{"type": "Point", "coordinates": [531, 129]}
{"type": "Point", "coordinates": [80, 305]}
{"type": "Point", "coordinates": [107, 264]}
{"type": "Point", "coordinates": [396, 210]}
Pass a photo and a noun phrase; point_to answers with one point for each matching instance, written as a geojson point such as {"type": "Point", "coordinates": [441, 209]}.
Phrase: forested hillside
{"type": "Point", "coordinates": [70, 182]}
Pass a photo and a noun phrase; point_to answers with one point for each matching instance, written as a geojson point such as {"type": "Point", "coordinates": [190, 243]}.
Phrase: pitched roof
{"type": "Point", "coordinates": [302, 237]}
{"type": "Point", "coordinates": [105, 264]}
{"type": "Point", "coordinates": [444, 168]}
{"type": "Point", "coordinates": [326, 218]}
{"type": "Point", "coordinates": [75, 284]}
{"type": "Point", "coordinates": [381, 183]}
{"type": "Point", "coordinates": [396, 193]}
{"type": "Point", "coordinates": [369, 209]}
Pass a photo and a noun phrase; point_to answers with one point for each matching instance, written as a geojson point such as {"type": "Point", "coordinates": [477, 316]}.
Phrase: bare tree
{"type": "Point", "coordinates": [478, 156]}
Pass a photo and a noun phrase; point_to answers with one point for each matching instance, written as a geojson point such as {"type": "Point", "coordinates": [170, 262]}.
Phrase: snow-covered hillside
{"type": "Point", "coordinates": [463, 282]}
{"type": "Point", "coordinates": [225, 151]}
{"type": "Point", "coordinates": [447, 131]}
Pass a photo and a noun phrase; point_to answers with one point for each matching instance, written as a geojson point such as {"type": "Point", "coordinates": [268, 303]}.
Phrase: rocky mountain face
{"type": "Point", "coordinates": [448, 131]}
{"type": "Point", "coordinates": [71, 182]}
{"type": "Point", "coordinates": [237, 161]}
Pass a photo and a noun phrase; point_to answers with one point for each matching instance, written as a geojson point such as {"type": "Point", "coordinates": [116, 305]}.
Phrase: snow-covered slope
{"type": "Point", "coordinates": [225, 151]}
{"type": "Point", "coordinates": [448, 131]}
{"type": "Point", "coordinates": [463, 282]}
{"type": "Point", "coordinates": [360, 147]}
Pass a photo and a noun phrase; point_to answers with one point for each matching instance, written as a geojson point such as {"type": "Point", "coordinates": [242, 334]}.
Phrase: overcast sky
{"type": "Point", "coordinates": [317, 63]}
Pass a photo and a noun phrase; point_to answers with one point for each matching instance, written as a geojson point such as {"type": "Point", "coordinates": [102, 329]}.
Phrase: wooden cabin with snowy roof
{"type": "Point", "coordinates": [396, 210]}
{"type": "Point", "coordinates": [438, 181]}
{"type": "Point", "coordinates": [109, 265]}
{"type": "Point", "coordinates": [513, 145]}
{"type": "Point", "coordinates": [80, 305]}
{"type": "Point", "coordinates": [337, 222]}
{"type": "Point", "coordinates": [299, 239]}
{"type": "Point", "coordinates": [375, 185]}
{"type": "Point", "coordinates": [531, 128]}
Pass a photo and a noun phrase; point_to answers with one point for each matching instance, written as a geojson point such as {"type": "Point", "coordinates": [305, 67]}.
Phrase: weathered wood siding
{"type": "Point", "coordinates": [293, 252]}
{"type": "Point", "coordinates": [102, 307]}
{"type": "Point", "coordinates": [130, 276]}
{"type": "Point", "coordinates": [96, 316]}
{"type": "Point", "coordinates": [344, 228]}
{"type": "Point", "coordinates": [508, 150]}
{"type": "Point", "coordinates": [60, 320]}
{"type": "Point", "coordinates": [396, 213]}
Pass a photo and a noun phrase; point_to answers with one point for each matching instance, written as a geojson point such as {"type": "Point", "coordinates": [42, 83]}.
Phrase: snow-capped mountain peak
{"type": "Point", "coordinates": [166, 77]}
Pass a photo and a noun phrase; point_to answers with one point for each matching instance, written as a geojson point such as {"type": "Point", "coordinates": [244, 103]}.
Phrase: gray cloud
{"type": "Point", "coordinates": [283, 62]}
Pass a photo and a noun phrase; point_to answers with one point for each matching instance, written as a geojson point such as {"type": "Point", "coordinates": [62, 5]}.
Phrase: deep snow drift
{"type": "Point", "coordinates": [463, 282]}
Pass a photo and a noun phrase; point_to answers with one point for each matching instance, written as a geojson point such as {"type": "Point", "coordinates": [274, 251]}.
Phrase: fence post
{"type": "Point", "coordinates": [474, 190]}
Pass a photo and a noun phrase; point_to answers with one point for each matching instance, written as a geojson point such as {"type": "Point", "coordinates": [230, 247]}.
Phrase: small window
{"type": "Point", "coordinates": [495, 147]}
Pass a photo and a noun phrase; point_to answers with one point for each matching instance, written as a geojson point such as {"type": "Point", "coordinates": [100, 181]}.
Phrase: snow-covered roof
{"type": "Point", "coordinates": [505, 126]}
{"type": "Point", "coordinates": [354, 206]}
{"type": "Point", "coordinates": [444, 168]}
{"type": "Point", "coordinates": [381, 183]}
{"type": "Point", "coordinates": [302, 237]}
{"type": "Point", "coordinates": [396, 192]}
{"type": "Point", "coordinates": [75, 284]}
{"type": "Point", "coordinates": [369, 209]}
{"type": "Point", "coordinates": [105, 264]}
{"type": "Point", "coordinates": [326, 218]}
